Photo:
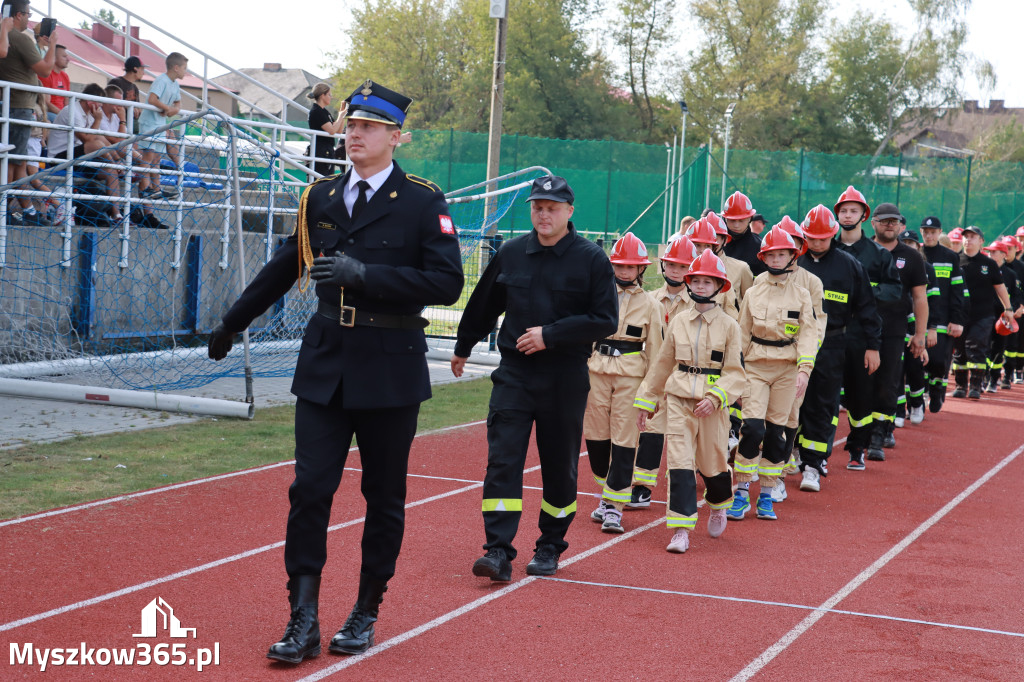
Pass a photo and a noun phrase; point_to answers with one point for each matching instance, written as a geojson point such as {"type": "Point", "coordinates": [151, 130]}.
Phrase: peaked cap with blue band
{"type": "Point", "coordinates": [373, 102]}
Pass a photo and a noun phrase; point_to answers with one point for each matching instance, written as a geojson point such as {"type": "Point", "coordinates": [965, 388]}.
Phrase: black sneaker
{"type": "Point", "coordinates": [975, 394]}
{"type": "Point", "coordinates": [1005, 383]}
{"type": "Point", "coordinates": [494, 565]}
{"type": "Point", "coordinates": [640, 498]}
{"type": "Point", "coordinates": [889, 441]}
{"type": "Point", "coordinates": [960, 392]}
{"type": "Point", "coordinates": [544, 562]}
{"type": "Point", "coordinates": [856, 461]}
{"type": "Point", "coordinates": [876, 454]}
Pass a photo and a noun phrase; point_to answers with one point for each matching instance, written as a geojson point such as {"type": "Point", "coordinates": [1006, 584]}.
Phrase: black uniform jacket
{"type": "Point", "coordinates": [948, 306]}
{"type": "Point", "coordinates": [745, 247]}
{"type": "Point", "coordinates": [884, 279]}
{"type": "Point", "coordinates": [407, 241]}
{"type": "Point", "coordinates": [568, 289]}
{"type": "Point", "coordinates": [981, 275]}
{"type": "Point", "coordinates": [848, 298]}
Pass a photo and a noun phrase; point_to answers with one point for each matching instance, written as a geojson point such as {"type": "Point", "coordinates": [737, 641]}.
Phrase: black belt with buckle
{"type": "Point", "coordinates": [609, 346]}
{"type": "Point", "coordinates": [836, 331]}
{"type": "Point", "coordinates": [778, 344]}
{"type": "Point", "coordinates": [347, 316]}
{"type": "Point", "coordinates": [699, 370]}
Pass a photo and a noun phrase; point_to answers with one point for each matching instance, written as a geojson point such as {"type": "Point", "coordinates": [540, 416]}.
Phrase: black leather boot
{"type": "Point", "coordinates": [356, 635]}
{"type": "Point", "coordinates": [960, 375]}
{"type": "Point", "coordinates": [302, 635]}
{"type": "Point", "coordinates": [977, 381]}
{"type": "Point", "coordinates": [875, 443]}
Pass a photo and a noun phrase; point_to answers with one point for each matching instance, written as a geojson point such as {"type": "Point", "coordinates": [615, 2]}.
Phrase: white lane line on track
{"type": "Point", "coordinates": [466, 608]}
{"type": "Point", "coordinates": [187, 484]}
{"type": "Point", "coordinates": [219, 562]}
{"type": "Point", "coordinates": [803, 626]}
{"type": "Point", "coordinates": [792, 606]}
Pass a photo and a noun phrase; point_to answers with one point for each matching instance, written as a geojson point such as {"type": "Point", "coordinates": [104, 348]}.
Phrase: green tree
{"type": "Point", "coordinates": [643, 30]}
{"type": "Point", "coordinates": [107, 16]}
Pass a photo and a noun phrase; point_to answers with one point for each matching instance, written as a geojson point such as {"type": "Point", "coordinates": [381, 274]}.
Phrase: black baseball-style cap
{"type": "Point", "coordinates": [886, 211]}
{"type": "Point", "coordinates": [133, 63]}
{"type": "Point", "coordinates": [932, 222]}
{"type": "Point", "coordinates": [373, 102]}
{"type": "Point", "coordinates": [911, 235]}
{"type": "Point", "coordinates": [757, 216]}
{"type": "Point", "coordinates": [975, 229]}
{"type": "Point", "coordinates": [553, 188]}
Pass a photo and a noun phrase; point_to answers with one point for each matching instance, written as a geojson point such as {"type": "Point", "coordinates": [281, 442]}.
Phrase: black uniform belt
{"type": "Point", "coordinates": [835, 332]}
{"type": "Point", "coordinates": [778, 344]}
{"type": "Point", "coordinates": [698, 370]}
{"type": "Point", "coordinates": [609, 346]}
{"type": "Point", "coordinates": [347, 316]}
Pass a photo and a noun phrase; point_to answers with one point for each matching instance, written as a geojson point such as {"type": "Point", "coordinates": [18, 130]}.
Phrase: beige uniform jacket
{"type": "Point", "coordinates": [741, 279]}
{"type": "Point", "coordinates": [808, 280]}
{"type": "Point", "coordinates": [777, 310]}
{"type": "Point", "coordinates": [698, 340]}
{"type": "Point", "coordinates": [671, 306]}
{"type": "Point", "coordinates": [640, 319]}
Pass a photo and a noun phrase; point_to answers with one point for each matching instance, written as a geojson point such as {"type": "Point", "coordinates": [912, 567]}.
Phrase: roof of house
{"type": "Point", "coordinates": [961, 127]}
{"type": "Point", "coordinates": [292, 83]}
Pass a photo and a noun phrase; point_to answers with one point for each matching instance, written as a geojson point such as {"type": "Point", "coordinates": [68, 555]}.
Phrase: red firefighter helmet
{"type": "Point", "coordinates": [777, 239]}
{"type": "Point", "coordinates": [629, 250]}
{"type": "Point", "coordinates": [851, 194]}
{"type": "Point", "coordinates": [956, 234]}
{"type": "Point", "coordinates": [820, 223]}
{"type": "Point", "coordinates": [794, 231]}
{"type": "Point", "coordinates": [721, 229]}
{"type": "Point", "coordinates": [1020, 232]}
{"type": "Point", "coordinates": [701, 232]}
{"type": "Point", "coordinates": [710, 265]}
{"type": "Point", "coordinates": [680, 250]}
{"type": "Point", "coordinates": [738, 207]}
{"type": "Point", "coordinates": [1003, 330]}
{"type": "Point", "coordinates": [997, 245]}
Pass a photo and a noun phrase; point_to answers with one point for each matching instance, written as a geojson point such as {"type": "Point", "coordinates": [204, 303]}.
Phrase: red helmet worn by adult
{"type": "Point", "coordinates": [709, 265]}
{"type": "Point", "coordinates": [716, 222]}
{"type": "Point", "coordinates": [629, 250]}
{"type": "Point", "coordinates": [794, 231]}
{"type": "Point", "coordinates": [851, 194]}
{"type": "Point", "coordinates": [820, 223]}
{"type": "Point", "coordinates": [777, 239]}
{"type": "Point", "coordinates": [701, 232]}
{"type": "Point", "coordinates": [680, 250]}
{"type": "Point", "coordinates": [738, 207]}
{"type": "Point", "coordinates": [1003, 330]}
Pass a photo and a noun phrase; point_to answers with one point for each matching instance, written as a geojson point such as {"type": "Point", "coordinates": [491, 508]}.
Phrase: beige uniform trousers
{"type": "Point", "coordinates": [771, 390]}
{"type": "Point", "coordinates": [695, 445]}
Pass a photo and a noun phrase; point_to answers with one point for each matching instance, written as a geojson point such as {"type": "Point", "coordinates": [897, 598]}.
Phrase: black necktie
{"type": "Point", "coordinates": [360, 202]}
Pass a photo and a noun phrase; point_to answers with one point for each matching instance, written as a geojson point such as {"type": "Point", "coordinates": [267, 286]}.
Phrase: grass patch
{"type": "Point", "coordinates": [86, 468]}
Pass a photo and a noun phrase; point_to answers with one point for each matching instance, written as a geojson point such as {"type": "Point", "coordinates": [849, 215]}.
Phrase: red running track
{"type": "Point", "coordinates": [908, 570]}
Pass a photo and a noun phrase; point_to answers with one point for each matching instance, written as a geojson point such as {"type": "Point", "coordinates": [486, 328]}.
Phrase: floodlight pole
{"type": "Point", "coordinates": [666, 214]}
{"type": "Point", "coordinates": [497, 105]}
{"type": "Point", "coordinates": [725, 153]}
{"type": "Point", "coordinates": [679, 175]}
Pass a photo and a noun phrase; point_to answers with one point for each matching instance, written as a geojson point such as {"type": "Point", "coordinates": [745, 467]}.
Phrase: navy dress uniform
{"type": "Point", "coordinates": [362, 366]}
{"type": "Point", "coordinates": [568, 290]}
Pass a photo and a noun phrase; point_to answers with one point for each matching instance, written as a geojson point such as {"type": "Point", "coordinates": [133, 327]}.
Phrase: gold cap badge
{"type": "Point", "coordinates": [394, 195]}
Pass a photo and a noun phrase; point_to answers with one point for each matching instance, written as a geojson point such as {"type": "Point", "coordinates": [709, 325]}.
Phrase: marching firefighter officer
{"type": "Point", "coordinates": [380, 246]}
{"type": "Point", "coordinates": [617, 367]}
{"type": "Point", "coordinates": [947, 310]}
{"type": "Point", "coordinates": [695, 376]}
{"type": "Point", "coordinates": [847, 298]}
{"type": "Point", "coordinates": [557, 292]}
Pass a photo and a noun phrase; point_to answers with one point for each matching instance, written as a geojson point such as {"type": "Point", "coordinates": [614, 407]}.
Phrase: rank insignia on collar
{"type": "Point", "coordinates": [326, 226]}
{"type": "Point", "coordinates": [366, 91]}
{"type": "Point", "coordinates": [331, 193]}
{"type": "Point", "coordinates": [393, 195]}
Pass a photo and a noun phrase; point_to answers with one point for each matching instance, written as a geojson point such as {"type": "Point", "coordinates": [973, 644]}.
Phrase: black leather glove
{"type": "Point", "coordinates": [339, 269]}
{"type": "Point", "coordinates": [220, 342]}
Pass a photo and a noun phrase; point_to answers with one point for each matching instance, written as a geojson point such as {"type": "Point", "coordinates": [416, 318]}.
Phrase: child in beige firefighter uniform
{"type": "Point", "coordinates": [617, 366]}
{"type": "Point", "coordinates": [672, 298]}
{"type": "Point", "coordinates": [697, 374]}
{"type": "Point", "coordinates": [780, 340]}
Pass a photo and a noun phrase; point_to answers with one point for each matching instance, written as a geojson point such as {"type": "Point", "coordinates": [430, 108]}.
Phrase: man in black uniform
{"type": "Point", "coordinates": [1014, 358]}
{"type": "Point", "coordinates": [947, 310]}
{"type": "Point", "coordinates": [847, 297]}
{"type": "Point", "coordinates": [987, 294]}
{"type": "Point", "coordinates": [557, 292]}
{"type": "Point", "coordinates": [913, 300]}
{"type": "Point", "coordinates": [915, 383]}
{"type": "Point", "coordinates": [391, 250]}
{"type": "Point", "coordinates": [743, 244]}
{"type": "Point", "coordinates": [1000, 344]}
{"type": "Point", "coordinates": [860, 389]}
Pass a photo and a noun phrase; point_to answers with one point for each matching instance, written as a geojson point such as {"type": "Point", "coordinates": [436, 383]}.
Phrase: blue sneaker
{"type": "Point", "coordinates": [764, 507]}
{"type": "Point", "coordinates": [739, 508]}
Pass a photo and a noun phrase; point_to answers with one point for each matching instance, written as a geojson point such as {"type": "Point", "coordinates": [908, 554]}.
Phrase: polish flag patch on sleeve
{"type": "Point", "coordinates": [447, 226]}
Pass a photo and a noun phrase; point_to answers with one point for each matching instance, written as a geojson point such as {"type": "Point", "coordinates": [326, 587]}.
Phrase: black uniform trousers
{"type": "Point", "coordinates": [996, 356]}
{"type": "Point", "coordinates": [911, 392]}
{"type": "Point", "coordinates": [821, 403]}
{"type": "Point", "coordinates": [970, 350]}
{"type": "Point", "coordinates": [887, 382]}
{"type": "Point", "coordinates": [939, 357]}
{"type": "Point", "coordinates": [323, 436]}
{"type": "Point", "coordinates": [859, 396]}
{"type": "Point", "coordinates": [553, 397]}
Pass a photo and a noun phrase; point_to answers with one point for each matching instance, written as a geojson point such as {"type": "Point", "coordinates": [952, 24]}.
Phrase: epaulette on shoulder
{"type": "Point", "coordinates": [423, 181]}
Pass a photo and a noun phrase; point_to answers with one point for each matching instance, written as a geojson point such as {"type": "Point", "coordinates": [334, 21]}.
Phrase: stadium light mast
{"type": "Point", "coordinates": [679, 175]}
{"type": "Point", "coordinates": [725, 154]}
{"type": "Point", "coordinates": [499, 11]}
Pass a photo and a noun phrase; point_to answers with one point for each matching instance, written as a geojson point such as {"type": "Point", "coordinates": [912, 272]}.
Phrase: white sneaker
{"type": "Point", "coordinates": [598, 514]}
{"type": "Point", "coordinates": [612, 521]}
{"type": "Point", "coordinates": [733, 443]}
{"type": "Point", "coordinates": [900, 421]}
{"type": "Point", "coordinates": [716, 523]}
{"type": "Point", "coordinates": [917, 414]}
{"type": "Point", "coordinates": [680, 542]}
{"type": "Point", "coordinates": [811, 481]}
{"type": "Point", "coordinates": [779, 491]}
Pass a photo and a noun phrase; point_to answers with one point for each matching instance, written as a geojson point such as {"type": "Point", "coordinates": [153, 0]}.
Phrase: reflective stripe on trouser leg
{"type": "Point", "coordinates": [648, 459]}
{"type": "Point", "coordinates": [682, 498]}
{"type": "Point", "coordinates": [773, 455]}
{"type": "Point", "coordinates": [718, 490]}
{"type": "Point", "coordinates": [693, 444]}
{"type": "Point", "coordinates": [821, 405]}
{"type": "Point", "coordinates": [748, 454]}
{"type": "Point", "coordinates": [599, 452]}
{"type": "Point", "coordinates": [859, 396]}
{"type": "Point", "coordinates": [617, 487]}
